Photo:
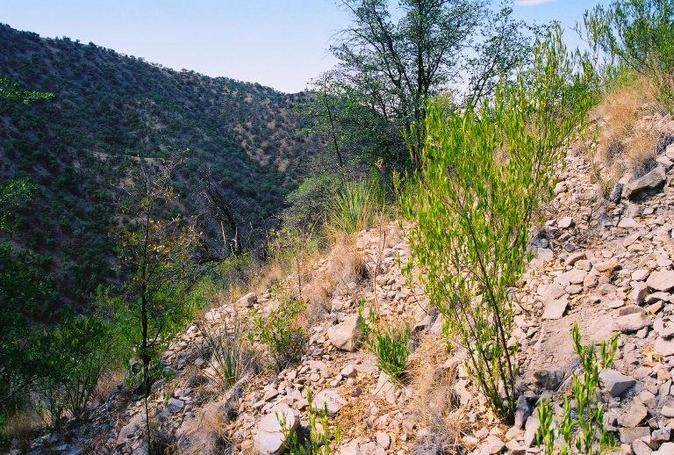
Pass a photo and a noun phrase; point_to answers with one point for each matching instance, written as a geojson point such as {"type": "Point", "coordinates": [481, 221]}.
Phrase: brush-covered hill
{"type": "Point", "coordinates": [244, 138]}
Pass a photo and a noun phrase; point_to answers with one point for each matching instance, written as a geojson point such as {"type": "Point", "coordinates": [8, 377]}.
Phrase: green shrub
{"type": "Point", "coordinates": [355, 206]}
{"type": "Point", "coordinates": [484, 173]}
{"type": "Point", "coordinates": [582, 423]}
{"type": "Point", "coordinates": [281, 331]}
{"type": "Point", "coordinates": [310, 202]}
{"type": "Point", "coordinates": [391, 345]}
{"type": "Point", "coordinates": [640, 35]}
{"type": "Point", "coordinates": [317, 442]}
{"type": "Point", "coordinates": [77, 352]}
{"type": "Point", "coordinates": [229, 358]}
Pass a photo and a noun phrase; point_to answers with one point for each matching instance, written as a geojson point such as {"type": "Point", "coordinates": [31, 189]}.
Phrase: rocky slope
{"type": "Point", "coordinates": [606, 265]}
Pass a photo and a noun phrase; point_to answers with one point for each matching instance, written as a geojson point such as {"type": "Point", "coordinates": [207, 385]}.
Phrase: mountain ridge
{"type": "Point", "coordinates": [244, 139]}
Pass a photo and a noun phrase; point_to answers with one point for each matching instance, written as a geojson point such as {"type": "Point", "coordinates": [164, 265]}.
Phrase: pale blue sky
{"type": "Point", "coordinates": [279, 43]}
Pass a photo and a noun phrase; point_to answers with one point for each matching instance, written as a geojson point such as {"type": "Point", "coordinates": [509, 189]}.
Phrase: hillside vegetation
{"type": "Point", "coordinates": [481, 262]}
{"type": "Point", "coordinates": [244, 138]}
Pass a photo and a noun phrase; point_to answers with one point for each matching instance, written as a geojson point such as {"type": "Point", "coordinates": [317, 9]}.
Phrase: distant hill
{"type": "Point", "coordinates": [110, 107]}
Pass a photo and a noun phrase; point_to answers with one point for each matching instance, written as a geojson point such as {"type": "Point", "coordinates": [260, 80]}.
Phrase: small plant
{"type": "Point", "coordinates": [229, 360]}
{"type": "Point", "coordinates": [281, 332]}
{"type": "Point", "coordinates": [354, 206]}
{"type": "Point", "coordinates": [581, 427]}
{"type": "Point", "coordinates": [390, 345]}
{"type": "Point", "coordinates": [317, 442]}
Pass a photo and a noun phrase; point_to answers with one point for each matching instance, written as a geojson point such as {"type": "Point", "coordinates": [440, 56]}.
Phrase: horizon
{"type": "Point", "coordinates": [207, 37]}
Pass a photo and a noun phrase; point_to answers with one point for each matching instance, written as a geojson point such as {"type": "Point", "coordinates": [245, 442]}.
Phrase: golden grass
{"type": "Point", "coordinates": [23, 426]}
{"type": "Point", "coordinates": [434, 405]}
{"type": "Point", "coordinates": [625, 143]}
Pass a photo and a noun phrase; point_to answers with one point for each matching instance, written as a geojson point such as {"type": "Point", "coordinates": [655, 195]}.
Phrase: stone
{"type": "Point", "coordinates": [271, 430]}
{"type": "Point", "coordinates": [632, 322]}
{"type": "Point", "coordinates": [549, 379]}
{"type": "Point", "coordinates": [247, 300]}
{"type": "Point", "coordinates": [345, 336]}
{"type": "Point", "coordinates": [615, 382]}
{"type": "Point", "coordinates": [640, 274]}
{"type": "Point", "coordinates": [565, 222]}
{"type": "Point", "coordinates": [555, 309]}
{"type": "Point", "coordinates": [663, 347]}
{"type": "Point", "coordinates": [492, 445]}
{"type": "Point", "coordinates": [550, 291]}
{"type": "Point", "coordinates": [662, 280]}
{"type": "Point", "coordinates": [667, 411]}
{"type": "Point", "coordinates": [633, 416]}
{"type": "Point", "coordinates": [573, 276]}
{"type": "Point", "coordinates": [661, 435]}
{"type": "Point", "coordinates": [653, 180]}
{"type": "Point", "coordinates": [175, 405]}
{"type": "Point", "coordinates": [530, 430]}
{"type": "Point", "coordinates": [641, 448]}
{"type": "Point", "coordinates": [665, 449]}
{"type": "Point", "coordinates": [383, 440]}
{"type": "Point", "coordinates": [629, 435]}
{"type": "Point", "coordinates": [349, 371]}
{"type": "Point", "coordinates": [329, 399]}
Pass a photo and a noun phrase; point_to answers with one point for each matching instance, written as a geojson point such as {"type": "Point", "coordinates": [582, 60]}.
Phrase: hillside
{"type": "Point", "coordinates": [606, 266]}
{"type": "Point", "coordinates": [243, 137]}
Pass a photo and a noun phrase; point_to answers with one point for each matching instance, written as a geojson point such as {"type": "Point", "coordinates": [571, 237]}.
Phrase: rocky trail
{"type": "Point", "coordinates": [606, 265]}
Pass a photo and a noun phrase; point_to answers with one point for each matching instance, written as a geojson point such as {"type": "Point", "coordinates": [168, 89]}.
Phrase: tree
{"type": "Point", "coordinates": [157, 254]}
{"type": "Point", "coordinates": [389, 68]}
{"type": "Point", "coordinates": [485, 173]}
{"type": "Point", "coordinates": [13, 92]}
{"type": "Point", "coordinates": [25, 284]}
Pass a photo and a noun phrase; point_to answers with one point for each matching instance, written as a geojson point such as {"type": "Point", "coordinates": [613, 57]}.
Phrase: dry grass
{"type": "Point", "coordinates": [24, 425]}
{"type": "Point", "coordinates": [434, 405]}
{"type": "Point", "coordinates": [625, 142]}
{"type": "Point", "coordinates": [343, 265]}
{"type": "Point", "coordinates": [108, 382]}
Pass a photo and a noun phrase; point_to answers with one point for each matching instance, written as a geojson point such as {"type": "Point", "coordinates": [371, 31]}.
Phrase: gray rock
{"type": "Point", "coordinates": [665, 449]}
{"type": "Point", "coordinates": [271, 431]}
{"type": "Point", "coordinates": [633, 416]}
{"type": "Point", "coordinates": [629, 435]}
{"type": "Point", "coordinates": [491, 446]}
{"type": "Point", "coordinates": [663, 347]}
{"type": "Point", "coordinates": [175, 405]}
{"type": "Point", "coordinates": [661, 435]}
{"type": "Point", "coordinates": [345, 336]}
{"type": "Point", "coordinates": [329, 400]}
{"type": "Point", "coordinates": [247, 300]}
{"type": "Point", "coordinates": [549, 379]}
{"type": "Point", "coordinates": [652, 181]}
{"type": "Point", "coordinates": [555, 309]}
{"type": "Point", "coordinates": [615, 382]}
{"type": "Point", "coordinates": [632, 322]}
{"type": "Point", "coordinates": [641, 448]}
{"type": "Point", "coordinates": [662, 280]}
{"type": "Point", "coordinates": [530, 430]}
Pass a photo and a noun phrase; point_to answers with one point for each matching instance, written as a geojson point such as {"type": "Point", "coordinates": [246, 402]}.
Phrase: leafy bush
{"type": "Point", "coordinates": [77, 352]}
{"type": "Point", "coordinates": [582, 424]}
{"type": "Point", "coordinates": [484, 173]}
{"type": "Point", "coordinates": [640, 34]}
{"type": "Point", "coordinates": [310, 202]}
{"type": "Point", "coordinates": [281, 331]}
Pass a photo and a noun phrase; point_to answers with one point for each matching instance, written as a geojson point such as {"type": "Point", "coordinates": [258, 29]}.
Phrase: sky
{"type": "Point", "coordinates": [278, 43]}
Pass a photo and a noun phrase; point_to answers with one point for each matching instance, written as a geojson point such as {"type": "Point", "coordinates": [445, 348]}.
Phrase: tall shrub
{"type": "Point", "coordinates": [639, 34]}
{"type": "Point", "coordinates": [484, 173]}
